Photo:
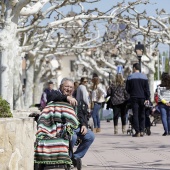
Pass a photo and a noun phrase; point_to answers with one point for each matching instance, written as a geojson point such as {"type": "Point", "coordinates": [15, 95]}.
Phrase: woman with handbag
{"type": "Point", "coordinates": [119, 98]}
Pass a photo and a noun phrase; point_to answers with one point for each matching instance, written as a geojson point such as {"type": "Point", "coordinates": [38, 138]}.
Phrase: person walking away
{"type": "Point", "coordinates": [98, 97]}
{"type": "Point", "coordinates": [164, 102]}
{"type": "Point", "coordinates": [119, 96]}
{"type": "Point", "coordinates": [138, 87]}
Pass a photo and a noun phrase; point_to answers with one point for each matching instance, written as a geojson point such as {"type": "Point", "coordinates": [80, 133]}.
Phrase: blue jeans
{"type": "Point", "coordinates": [86, 141]}
{"type": "Point", "coordinates": [165, 116]}
{"type": "Point", "coordinates": [95, 115]}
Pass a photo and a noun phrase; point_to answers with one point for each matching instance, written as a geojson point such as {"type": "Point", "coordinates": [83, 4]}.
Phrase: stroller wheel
{"type": "Point", "coordinates": [129, 132]}
{"type": "Point", "coordinates": [67, 167]}
{"type": "Point", "coordinates": [90, 124]}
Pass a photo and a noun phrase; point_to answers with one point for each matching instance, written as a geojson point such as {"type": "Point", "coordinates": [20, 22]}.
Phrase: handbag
{"type": "Point", "coordinates": [109, 104]}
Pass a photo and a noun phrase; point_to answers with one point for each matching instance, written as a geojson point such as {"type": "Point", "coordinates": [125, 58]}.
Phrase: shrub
{"type": "Point", "coordinates": [4, 109]}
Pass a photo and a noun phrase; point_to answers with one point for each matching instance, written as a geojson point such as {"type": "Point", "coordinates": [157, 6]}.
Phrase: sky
{"type": "Point", "coordinates": [105, 5]}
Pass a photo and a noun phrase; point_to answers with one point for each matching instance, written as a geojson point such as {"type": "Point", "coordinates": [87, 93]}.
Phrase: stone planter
{"type": "Point", "coordinates": [17, 136]}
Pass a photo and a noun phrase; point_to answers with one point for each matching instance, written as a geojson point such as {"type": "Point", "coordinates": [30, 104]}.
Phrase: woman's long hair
{"type": "Point", "coordinates": [165, 80]}
{"type": "Point", "coordinates": [119, 80]}
{"type": "Point", "coordinates": [95, 81]}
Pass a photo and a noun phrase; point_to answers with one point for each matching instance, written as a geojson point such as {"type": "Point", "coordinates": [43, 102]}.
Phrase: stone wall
{"type": "Point", "coordinates": [17, 136]}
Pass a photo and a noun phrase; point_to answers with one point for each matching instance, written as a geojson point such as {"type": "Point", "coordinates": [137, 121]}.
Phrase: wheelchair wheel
{"type": "Point", "coordinates": [67, 167]}
{"type": "Point", "coordinates": [91, 124]}
{"type": "Point", "coordinates": [39, 167]}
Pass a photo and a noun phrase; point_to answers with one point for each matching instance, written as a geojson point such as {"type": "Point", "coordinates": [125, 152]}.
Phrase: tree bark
{"type": "Point", "coordinates": [38, 89]}
{"type": "Point", "coordinates": [8, 52]}
{"type": "Point", "coordinates": [29, 86]}
{"type": "Point", "coordinates": [6, 78]}
{"type": "Point", "coordinates": [17, 84]}
{"type": "Point", "coordinates": [151, 85]}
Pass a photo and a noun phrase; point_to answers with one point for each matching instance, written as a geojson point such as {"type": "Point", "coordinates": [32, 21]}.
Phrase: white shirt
{"type": "Point", "coordinates": [98, 95]}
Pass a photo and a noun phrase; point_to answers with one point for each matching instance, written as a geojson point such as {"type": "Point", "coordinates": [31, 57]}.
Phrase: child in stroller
{"type": "Point", "coordinates": [148, 111]}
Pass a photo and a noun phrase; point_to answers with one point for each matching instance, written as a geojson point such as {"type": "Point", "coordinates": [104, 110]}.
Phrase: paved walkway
{"type": "Point", "coordinates": [123, 152]}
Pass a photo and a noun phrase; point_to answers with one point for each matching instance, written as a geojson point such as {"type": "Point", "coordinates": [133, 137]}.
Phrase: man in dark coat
{"type": "Point", "coordinates": [138, 87]}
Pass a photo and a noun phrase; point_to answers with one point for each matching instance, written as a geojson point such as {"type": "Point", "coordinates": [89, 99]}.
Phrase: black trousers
{"type": "Point", "coordinates": [138, 109]}
{"type": "Point", "coordinates": [119, 110]}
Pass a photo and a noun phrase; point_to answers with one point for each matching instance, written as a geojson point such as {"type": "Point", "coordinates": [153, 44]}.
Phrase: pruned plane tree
{"type": "Point", "coordinates": [42, 32]}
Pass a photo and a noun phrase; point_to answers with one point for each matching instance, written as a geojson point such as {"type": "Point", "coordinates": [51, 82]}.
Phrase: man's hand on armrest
{"type": "Point", "coordinates": [72, 100]}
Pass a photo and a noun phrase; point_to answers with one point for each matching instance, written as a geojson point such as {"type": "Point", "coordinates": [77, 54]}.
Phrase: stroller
{"type": "Point", "coordinates": [130, 130]}
{"type": "Point", "coordinates": [55, 127]}
{"type": "Point", "coordinates": [156, 116]}
{"type": "Point", "coordinates": [148, 111]}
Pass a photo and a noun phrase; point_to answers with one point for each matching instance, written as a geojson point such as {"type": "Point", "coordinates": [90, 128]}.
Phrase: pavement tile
{"type": "Point", "coordinates": [123, 152]}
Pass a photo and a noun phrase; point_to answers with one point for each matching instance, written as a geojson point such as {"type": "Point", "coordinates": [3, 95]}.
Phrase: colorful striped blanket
{"type": "Point", "coordinates": [55, 125]}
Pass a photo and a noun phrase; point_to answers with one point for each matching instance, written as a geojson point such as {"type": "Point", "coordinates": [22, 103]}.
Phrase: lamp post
{"type": "Point", "coordinates": [139, 49]}
{"type": "Point", "coordinates": [109, 78]}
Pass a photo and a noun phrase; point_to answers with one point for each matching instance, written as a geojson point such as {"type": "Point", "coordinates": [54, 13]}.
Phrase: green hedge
{"type": "Point", "coordinates": [4, 109]}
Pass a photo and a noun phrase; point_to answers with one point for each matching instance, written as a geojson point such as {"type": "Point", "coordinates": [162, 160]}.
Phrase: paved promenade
{"type": "Point", "coordinates": [123, 152]}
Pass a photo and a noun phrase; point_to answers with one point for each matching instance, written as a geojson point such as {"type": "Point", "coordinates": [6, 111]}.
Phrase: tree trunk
{"type": "Point", "coordinates": [17, 79]}
{"type": "Point", "coordinates": [151, 85]}
{"type": "Point", "coordinates": [38, 89]}
{"type": "Point", "coordinates": [38, 86]}
{"type": "Point", "coordinates": [29, 86]}
{"type": "Point", "coordinates": [6, 78]}
{"type": "Point", "coordinates": [9, 47]}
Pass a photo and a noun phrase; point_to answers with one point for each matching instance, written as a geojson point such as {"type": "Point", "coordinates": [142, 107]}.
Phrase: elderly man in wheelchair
{"type": "Point", "coordinates": [60, 125]}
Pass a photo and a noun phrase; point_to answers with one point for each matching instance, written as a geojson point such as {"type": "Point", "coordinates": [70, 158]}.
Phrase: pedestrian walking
{"type": "Point", "coordinates": [164, 102]}
{"type": "Point", "coordinates": [119, 97]}
{"type": "Point", "coordinates": [138, 87]}
{"type": "Point", "coordinates": [98, 97]}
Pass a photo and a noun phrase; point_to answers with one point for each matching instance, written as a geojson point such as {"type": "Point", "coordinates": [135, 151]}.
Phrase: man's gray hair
{"type": "Point", "coordinates": [66, 79]}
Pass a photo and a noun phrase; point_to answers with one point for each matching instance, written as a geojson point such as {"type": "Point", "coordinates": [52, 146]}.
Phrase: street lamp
{"type": "Point", "coordinates": [139, 49]}
{"type": "Point", "coordinates": [109, 78]}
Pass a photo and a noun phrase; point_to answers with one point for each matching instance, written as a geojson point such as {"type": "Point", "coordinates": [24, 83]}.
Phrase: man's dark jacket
{"type": "Point", "coordinates": [57, 96]}
{"type": "Point", "coordinates": [137, 86]}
